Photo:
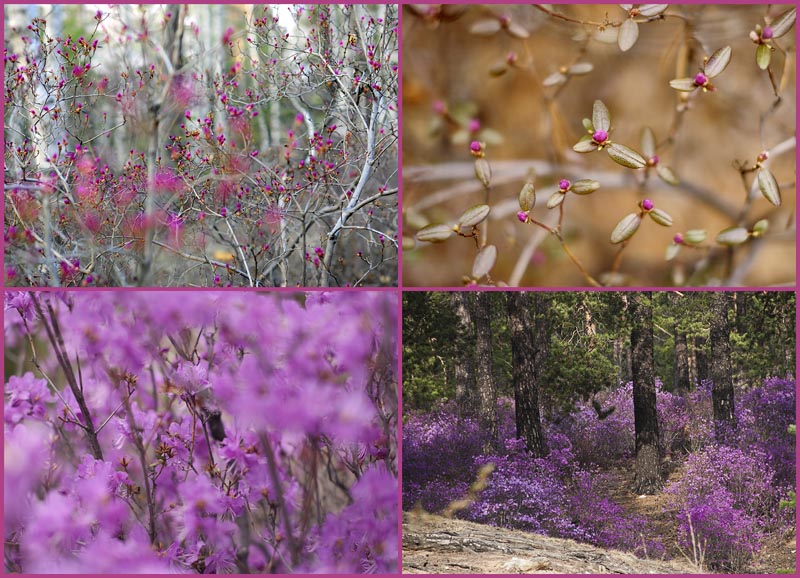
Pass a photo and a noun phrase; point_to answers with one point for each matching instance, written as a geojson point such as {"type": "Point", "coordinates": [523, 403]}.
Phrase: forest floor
{"type": "Point", "coordinates": [777, 553]}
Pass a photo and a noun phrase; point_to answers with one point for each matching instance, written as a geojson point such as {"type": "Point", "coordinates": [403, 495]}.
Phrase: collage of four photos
{"type": "Point", "coordinates": [399, 288]}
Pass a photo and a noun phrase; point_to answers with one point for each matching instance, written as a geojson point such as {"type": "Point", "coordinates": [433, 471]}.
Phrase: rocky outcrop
{"type": "Point", "coordinates": [436, 545]}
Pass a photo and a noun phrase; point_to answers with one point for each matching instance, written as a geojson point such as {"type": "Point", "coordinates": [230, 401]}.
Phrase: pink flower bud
{"type": "Point", "coordinates": [677, 239]}
{"type": "Point", "coordinates": [522, 216]}
{"type": "Point", "coordinates": [767, 33]}
{"type": "Point", "coordinates": [653, 160]}
{"type": "Point", "coordinates": [647, 205]}
{"type": "Point", "coordinates": [564, 184]}
{"type": "Point", "coordinates": [700, 79]}
{"type": "Point", "coordinates": [475, 146]}
{"type": "Point", "coordinates": [474, 125]}
{"type": "Point", "coordinates": [600, 136]}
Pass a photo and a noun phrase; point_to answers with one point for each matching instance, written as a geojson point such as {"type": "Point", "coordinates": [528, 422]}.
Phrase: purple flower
{"type": "Point", "coordinates": [522, 216]}
{"type": "Point", "coordinates": [700, 79]}
{"type": "Point", "coordinates": [677, 239]}
{"type": "Point", "coordinates": [647, 205]}
{"type": "Point", "coordinates": [600, 136]}
{"type": "Point", "coordinates": [564, 184]}
{"type": "Point", "coordinates": [766, 33]}
{"type": "Point", "coordinates": [475, 147]}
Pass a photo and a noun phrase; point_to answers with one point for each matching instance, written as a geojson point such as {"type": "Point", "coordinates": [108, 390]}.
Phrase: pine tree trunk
{"type": "Point", "coordinates": [486, 398]}
{"type": "Point", "coordinates": [523, 367]}
{"type": "Point", "coordinates": [701, 359]}
{"type": "Point", "coordinates": [681, 377]}
{"type": "Point", "coordinates": [648, 460]}
{"type": "Point", "coordinates": [464, 371]}
{"type": "Point", "coordinates": [722, 389]}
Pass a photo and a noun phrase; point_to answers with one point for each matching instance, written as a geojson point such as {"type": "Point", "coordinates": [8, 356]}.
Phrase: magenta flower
{"type": "Point", "coordinates": [599, 136]}
{"type": "Point", "coordinates": [522, 216]}
{"type": "Point", "coordinates": [564, 184]}
{"type": "Point", "coordinates": [647, 205]}
{"type": "Point", "coordinates": [767, 33]}
{"type": "Point", "coordinates": [700, 79]}
{"type": "Point", "coordinates": [226, 37]}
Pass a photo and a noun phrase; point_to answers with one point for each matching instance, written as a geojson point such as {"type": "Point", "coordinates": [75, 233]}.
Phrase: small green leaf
{"type": "Point", "coordinates": [587, 124]}
{"type": "Point", "coordinates": [626, 228]}
{"type": "Point", "coordinates": [435, 233]}
{"type": "Point", "coordinates": [625, 156]}
{"type": "Point", "coordinates": [484, 261]}
{"type": "Point", "coordinates": [763, 56]}
{"type": "Point", "coordinates": [650, 10]}
{"type": "Point", "coordinates": [769, 187]}
{"type": "Point", "coordinates": [554, 79]}
{"type": "Point", "coordinates": [672, 251]}
{"type": "Point", "coordinates": [783, 23]}
{"type": "Point", "coordinates": [490, 136]}
{"type": "Point", "coordinates": [498, 69]}
{"type": "Point", "coordinates": [584, 186]}
{"type": "Point", "coordinates": [628, 34]}
{"type": "Point", "coordinates": [517, 30]}
{"type": "Point", "coordinates": [760, 227]}
{"type": "Point", "coordinates": [648, 142]}
{"type": "Point", "coordinates": [695, 236]}
{"type": "Point", "coordinates": [580, 68]}
{"type": "Point", "coordinates": [683, 84]}
{"type": "Point", "coordinates": [717, 62]}
{"type": "Point", "coordinates": [661, 217]}
{"type": "Point", "coordinates": [667, 175]}
{"type": "Point", "coordinates": [485, 27]}
{"type": "Point", "coordinates": [555, 199]}
{"type": "Point", "coordinates": [483, 171]}
{"type": "Point", "coordinates": [585, 145]}
{"type": "Point", "coordinates": [601, 119]}
{"type": "Point", "coordinates": [527, 196]}
{"type": "Point", "coordinates": [733, 236]}
{"type": "Point", "coordinates": [474, 215]}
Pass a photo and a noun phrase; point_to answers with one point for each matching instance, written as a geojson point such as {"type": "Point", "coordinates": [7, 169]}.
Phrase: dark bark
{"type": "Point", "coordinates": [524, 375]}
{"type": "Point", "coordinates": [722, 388]}
{"type": "Point", "coordinates": [701, 359]}
{"type": "Point", "coordinates": [648, 460]}
{"type": "Point", "coordinates": [486, 395]}
{"type": "Point", "coordinates": [680, 379]}
{"type": "Point", "coordinates": [464, 371]}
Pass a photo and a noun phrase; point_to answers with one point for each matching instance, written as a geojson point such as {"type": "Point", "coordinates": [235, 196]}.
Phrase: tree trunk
{"type": "Point", "coordinates": [648, 461]}
{"type": "Point", "coordinates": [680, 379]}
{"type": "Point", "coordinates": [486, 398]}
{"type": "Point", "coordinates": [701, 359]}
{"type": "Point", "coordinates": [464, 371]}
{"type": "Point", "coordinates": [722, 388]}
{"type": "Point", "coordinates": [523, 368]}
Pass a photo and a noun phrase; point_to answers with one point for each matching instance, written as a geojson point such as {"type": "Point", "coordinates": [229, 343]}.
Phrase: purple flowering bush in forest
{"type": "Point", "coordinates": [726, 499]}
{"type": "Point", "coordinates": [200, 432]}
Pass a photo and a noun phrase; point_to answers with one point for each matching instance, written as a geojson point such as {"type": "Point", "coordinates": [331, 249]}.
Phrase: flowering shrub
{"type": "Point", "coordinates": [763, 415]}
{"type": "Point", "coordinates": [552, 495]}
{"type": "Point", "coordinates": [730, 498]}
{"type": "Point", "coordinates": [181, 144]}
{"type": "Point", "coordinates": [201, 432]}
{"type": "Point", "coordinates": [611, 440]}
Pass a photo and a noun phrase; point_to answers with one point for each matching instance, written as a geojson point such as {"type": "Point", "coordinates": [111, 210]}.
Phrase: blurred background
{"type": "Point", "coordinates": [458, 86]}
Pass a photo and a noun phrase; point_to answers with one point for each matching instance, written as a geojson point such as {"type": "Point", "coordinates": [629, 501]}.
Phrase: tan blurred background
{"type": "Point", "coordinates": [443, 62]}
